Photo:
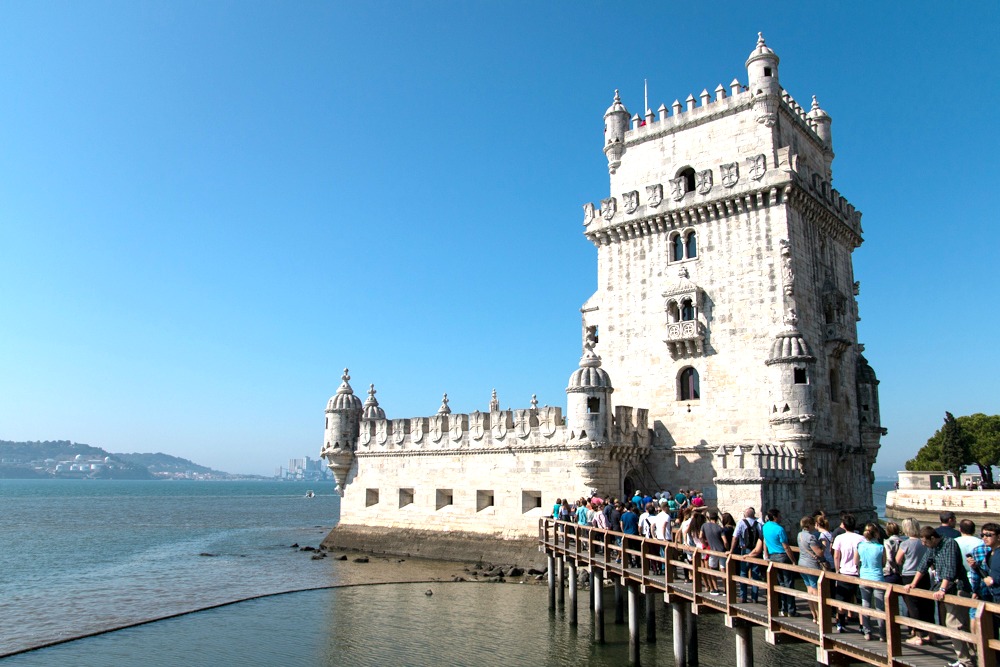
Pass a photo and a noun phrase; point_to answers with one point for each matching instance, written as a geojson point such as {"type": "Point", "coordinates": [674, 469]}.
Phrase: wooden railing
{"type": "Point", "coordinates": [679, 571]}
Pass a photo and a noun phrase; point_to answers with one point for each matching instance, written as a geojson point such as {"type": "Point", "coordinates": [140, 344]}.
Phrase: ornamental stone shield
{"type": "Point", "coordinates": [609, 207]}
{"type": "Point", "coordinates": [730, 173]}
{"type": "Point", "coordinates": [630, 200]}
{"type": "Point", "coordinates": [365, 437]}
{"type": "Point", "coordinates": [457, 427]}
{"type": "Point", "coordinates": [677, 188]}
{"type": "Point", "coordinates": [477, 425]}
{"type": "Point", "coordinates": [588, 213]}
{"type": "Point", "coordinates": [381, 432]}
{"type": "Point", "coordinates": [437, 427]}
{"type": "Point", "coordinates": [758, 165]}
{"type": "Point", "coordinates": [654, 195]}
{"type": "Point", "coordinates": [418, 428]}
{"type": "Point", "coordinates": [548, 421]}
{"type": "Point", "coordinates": [398, 431]}
{"type": "Point", "coordinates": [499, 426]}
{"type": "Point", "coordinates": [703, 180]}
{"type": "Point", "coordinates": [522, 423]}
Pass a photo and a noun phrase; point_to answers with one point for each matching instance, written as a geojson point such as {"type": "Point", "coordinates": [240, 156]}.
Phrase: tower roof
{"type": "Point", "coordinates": [616, 106]}
{"type": "Point", "coordinates": [344, 399]}
{"type": "Point", "coordinates": [762, 50]}
{"type": "Point", "coordinates": [866, 374]}
{"type": "Point", "coordinates": [372, 409]}
{"type": "Point", "coordinates": [590, 375]}
{"type": "Point", "coordinates": [816, 112]}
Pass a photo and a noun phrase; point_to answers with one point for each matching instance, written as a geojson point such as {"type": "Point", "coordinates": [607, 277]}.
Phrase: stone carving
{"type": "Point", "coordinates": [522, 423]}
{"type": "Point", "coordinates": [758, 165]}
{"type": "Point", "coordinates": [499, 426]}
{"type": "Point", "coordinates": [677, 188]}
{"type": "Point", "coordinates": [456, 428]}
{"type": "Point", "coordinates": [398, 431]}
{"type": "Point", "coordinates": [477, 425]}
{"type": "Point", "coordinates": [381, 432]}
{"type": "Point", "coordinates": [590, 338]}
{"type": "Point", "coordinates": [548, 421]}
{"type": "Point", "coordinates": [418, 427]}
{"type": "Point", "coordinates": [630, 201]}
{"type": "Point", "coordinates": [787, 272]}
{"type": "Point", "coordinates": [654, 195]}
{"type": "Point", "coordinates": [494, 402]}
{"type": "Point", "coordinates": [703, 180]}
{"type": "Point", "coordinates": [730, 174]}
{"type": "Point", "coordinates": [609, 207]}
{"type": "Point", "coordinates": [365, 436]}
{"type": "Point", "coordinates": [588, 213]}
{"type": "Point", "coordinates": [437, 427]}
{"type": "Point", "coordinates": [534, 404]}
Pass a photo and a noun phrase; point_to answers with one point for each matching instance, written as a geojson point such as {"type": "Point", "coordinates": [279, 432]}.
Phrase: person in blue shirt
{"type": "Point", "coordinates": [630, 526]}
{"type": "Point", "coordinates": [778, 551]}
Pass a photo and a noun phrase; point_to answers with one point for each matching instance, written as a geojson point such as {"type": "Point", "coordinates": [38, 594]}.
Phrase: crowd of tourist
{"type": "Point", "coordinates": [948, 559]}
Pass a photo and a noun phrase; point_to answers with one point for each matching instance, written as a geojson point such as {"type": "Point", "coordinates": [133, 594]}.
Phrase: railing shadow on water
{"type": "Point", "coordinates": [682, 574]}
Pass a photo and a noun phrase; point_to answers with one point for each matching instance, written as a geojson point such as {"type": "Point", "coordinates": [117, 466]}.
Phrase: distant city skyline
{"type": "Point", "coordinates": [210, 210]}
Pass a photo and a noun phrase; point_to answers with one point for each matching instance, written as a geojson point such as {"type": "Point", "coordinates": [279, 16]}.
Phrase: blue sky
{"type": "Point", "coordinates": [207, 210]}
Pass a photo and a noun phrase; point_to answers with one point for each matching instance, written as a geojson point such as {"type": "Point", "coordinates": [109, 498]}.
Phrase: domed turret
{"type": "Point", "coordinates": [821, 122]}
{"type": "Point", "coordinates": [794, 395]}
{"type": "Point", "coordinates": [372, 409]}
{"type": "Point", "coordinates": [762, 70]}
{"type": "Point", "coordinates": [589, 397]}
{"type": "Point", "coordinates": [615, 125]}
{"type": "Point", "coordinates": [343, 421]}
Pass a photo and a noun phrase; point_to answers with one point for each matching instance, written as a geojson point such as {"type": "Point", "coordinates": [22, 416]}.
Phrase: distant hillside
{"type": "Point", "coordinates": [66, 459]}
{"type": "Point", "coordinates": [160, 463]}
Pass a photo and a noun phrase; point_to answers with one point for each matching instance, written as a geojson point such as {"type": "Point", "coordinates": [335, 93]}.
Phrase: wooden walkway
{"type": "Point", "coordinates": [680, 575]}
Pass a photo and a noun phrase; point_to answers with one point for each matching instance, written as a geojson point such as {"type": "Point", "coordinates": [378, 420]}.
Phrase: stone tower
{"type": "Point", "coordinates": [726, 297]}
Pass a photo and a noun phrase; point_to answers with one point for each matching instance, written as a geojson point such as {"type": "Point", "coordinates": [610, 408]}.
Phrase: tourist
{"type": "Point", "coordinates": [869, 559]}
{"type": "Point", "coordinates": [661, 524]}
{"type": "Point", "coordinates": [728, 528]}
{"type": "Point", "coordinates": [556, 508]}
{"type": "Point", "coordinates": [892, 568]}
{"type": "Point", "coordinates": [630, 526]}
{"type": "Point", "coordinates": [944, 553]}
{"type": "Point", "coordinates": [637, 498]}
{"type": "Point", "coordinates": [947, 527]}
{"type": "Point", "coordinates": [844, 546]}
{"type": "Point", "coordinates": [681, 499]}
{"type": "Point", "coordinates": [810, 555]}
{"type": "Point", "coordinates": [826, 539]}
{"type": "Point", "coordinates": [615, 517]}
{"type": "Point", "coordinates": [711, 534]}
{"type": "Point", "coordinates": [978, 561]}
{"type": "Point", "coordinates": [967, 541]}
{"type": "Point", "coordinates": [778, 551]}
{"type": "Point", "coordinates": [565, 513]}
{"type": "Point", "coordinates": [747, 541]}
{"type": "Point", "coordinates": [697, 500]}
{"type": "Point", "coordinates": [584, 513]}
{"type": "Point", "coordinates": [911, 552]}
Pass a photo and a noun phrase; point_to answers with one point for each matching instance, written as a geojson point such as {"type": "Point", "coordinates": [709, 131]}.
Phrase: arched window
{"type": "Point", "coordinates": [691, 245]}
{"type": "Point", "coordinates": [687, 310]}
{"type": "Point", "coordinates": [687, 173]}
{"type": "Point", "coordinates": [678, 248]}
{"type": "Point", "coordinates": [673, 312]}
{"type": "Point", "coordinates": [689, 389]}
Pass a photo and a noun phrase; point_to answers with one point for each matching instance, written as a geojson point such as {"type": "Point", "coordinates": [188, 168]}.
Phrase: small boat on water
{"type": "Point", "coordinates": [310, 494]}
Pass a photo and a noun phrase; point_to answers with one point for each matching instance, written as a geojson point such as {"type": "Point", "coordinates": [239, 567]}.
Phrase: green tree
{"type": "Point", "coordinates": [955, 450]}
{"type": "Point", "coordinates": [983, 432]}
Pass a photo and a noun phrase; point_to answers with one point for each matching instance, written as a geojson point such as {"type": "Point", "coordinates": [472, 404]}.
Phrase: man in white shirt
{"type": "Point", "coordinates": [844, 547]}
{"type": "Point", "coordinates": [967, 541]}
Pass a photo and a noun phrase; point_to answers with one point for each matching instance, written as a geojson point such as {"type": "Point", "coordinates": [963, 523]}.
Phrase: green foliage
{"type": "Point", "coordinates": [962, 441]}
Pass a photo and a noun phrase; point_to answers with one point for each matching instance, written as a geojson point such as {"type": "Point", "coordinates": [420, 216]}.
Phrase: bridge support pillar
{"type": "Point", "coordinates": [691, 627]}
{"type": "Point", "coordinates": [561, 588]}
{"type": "Point", "coordinates": [744, 645]}
{"type": "Point", "coordinates": [633, 623]}
{"type": "Point", "coordinates": [651, 603]}
{"type": "Point", "coordinates": [572, 593]}
{"type": "Point", "coordinates": [680, 618]}
{"type": "Point", "coordinates": [597, 592]}
{"type": "Point", "coordinates": [619, 602]}
{"type": "Point", "coordinates": [551, 573]}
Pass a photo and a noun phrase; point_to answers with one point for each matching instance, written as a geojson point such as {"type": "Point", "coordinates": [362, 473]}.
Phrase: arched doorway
{"type": "Point", "coordinates": [630, 486]}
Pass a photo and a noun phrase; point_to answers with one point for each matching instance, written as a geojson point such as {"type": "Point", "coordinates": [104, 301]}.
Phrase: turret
{"type": "Point", "coordinates": [870, 421]}
{"type": "Point", "coordinates": [589, 399]}
{"type": "Point", "coordinates": [615, 125]}
{"type": "Point", "coordinates": [762, 71]}
{"type": "Point", "coordinates": [820, 122]}
{"type": "Point", "coordinates": [794, 408]}
{"type": "Point", "coordinates": [343, 419]}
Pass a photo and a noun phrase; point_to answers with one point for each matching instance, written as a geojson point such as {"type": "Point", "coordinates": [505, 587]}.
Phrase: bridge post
{"type": "Point", "coordinates": [572, 593]}
{"type": "Point", "coordinates": [679, 633]}
{"type": "Point", "coordinates": [691, 628]}
{"type": "Point", "coordinates": [619, 602]}
{"type": "Point", "coordinates": [561, 591]}
{"type": "Point", "coordinates": [633, 623]}
{"type": "Point", "coordinates": [744, 645]}
{"type": "Point", "coordinates": [552, 580]}
{"type": "Point", "coordinates": [651, 615]}
{"type": "Point", "coordinates": [597, 590]}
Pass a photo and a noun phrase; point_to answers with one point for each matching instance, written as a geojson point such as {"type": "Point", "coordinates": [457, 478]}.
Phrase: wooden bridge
{"type": "Point", "coordinates": [645, 566]}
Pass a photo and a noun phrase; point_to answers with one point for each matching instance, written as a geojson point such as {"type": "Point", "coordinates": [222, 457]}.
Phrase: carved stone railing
{"type": "Point", "coordinates": [685, 338]}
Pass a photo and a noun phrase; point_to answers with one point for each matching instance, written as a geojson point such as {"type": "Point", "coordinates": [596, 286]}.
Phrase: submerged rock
{"type": "Point", "coordinates": [361, 559]}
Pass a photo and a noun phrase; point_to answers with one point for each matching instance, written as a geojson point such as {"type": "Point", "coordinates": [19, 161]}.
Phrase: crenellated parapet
{"type": "Point", "coordinates": [752, 462]}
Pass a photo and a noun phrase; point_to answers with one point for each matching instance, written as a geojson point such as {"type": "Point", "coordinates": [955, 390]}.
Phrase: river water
{"type": "Point", "coordinates": [83, 556]}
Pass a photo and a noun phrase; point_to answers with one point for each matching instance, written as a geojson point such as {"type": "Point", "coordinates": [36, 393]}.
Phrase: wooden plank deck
{"type": "Point", "coordinates": [672, 575]}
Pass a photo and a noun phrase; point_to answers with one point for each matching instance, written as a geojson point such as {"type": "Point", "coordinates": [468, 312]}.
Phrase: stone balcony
{"type": "Point", "coordinates": [685, 338]}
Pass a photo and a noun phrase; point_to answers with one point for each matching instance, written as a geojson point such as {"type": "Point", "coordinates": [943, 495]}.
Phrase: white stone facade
{"type": "Point", "coordinates": [725, 309]}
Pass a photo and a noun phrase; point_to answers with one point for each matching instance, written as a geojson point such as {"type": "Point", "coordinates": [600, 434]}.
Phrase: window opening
{"type": "Point", "coordinates": [691, 244]}
{"type": "Point", "coordinates": [800, 376]}
{"type": "Point", "coordinates": [593, 405]}
{"type": "Point", "coordinates": [690, 391]}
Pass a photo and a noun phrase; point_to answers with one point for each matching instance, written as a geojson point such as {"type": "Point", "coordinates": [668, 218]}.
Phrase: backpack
{"type": "Point", "coordinates": [750, 536]}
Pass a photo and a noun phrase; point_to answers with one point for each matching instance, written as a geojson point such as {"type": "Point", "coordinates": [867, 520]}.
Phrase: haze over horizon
{"type": "Point", "coordinates": [209, 210]}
